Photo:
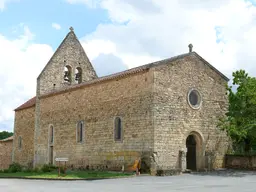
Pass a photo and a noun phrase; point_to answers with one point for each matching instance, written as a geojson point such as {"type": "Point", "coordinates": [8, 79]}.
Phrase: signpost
{"type": "Point", "coordinates": [62, 160]}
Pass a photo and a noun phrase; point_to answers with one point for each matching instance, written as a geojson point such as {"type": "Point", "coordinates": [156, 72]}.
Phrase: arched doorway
{"type": "Point", "coordinates": [191, 152]}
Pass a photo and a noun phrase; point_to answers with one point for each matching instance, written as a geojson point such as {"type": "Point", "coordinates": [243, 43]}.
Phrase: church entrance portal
{"type": "Point", "coordinates": [191, 152]}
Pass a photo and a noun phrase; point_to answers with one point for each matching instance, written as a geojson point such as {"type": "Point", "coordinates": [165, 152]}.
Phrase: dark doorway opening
{"type": "Point", "coordinates": [191, 152]}
{"type": "Point", "coordinates": [51, 155]}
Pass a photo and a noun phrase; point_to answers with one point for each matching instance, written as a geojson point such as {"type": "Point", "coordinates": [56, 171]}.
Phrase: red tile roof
{"type": "Point", "coordinates": [142, 68]}
{"type": "Point", "coordinates": [115, 75]}
{"type": "Point", "coordinates": [30, 103]}
{"type": "Point", "coordinates": [132, 71]}
{"type": "Point", "coordinates": [7, 139]}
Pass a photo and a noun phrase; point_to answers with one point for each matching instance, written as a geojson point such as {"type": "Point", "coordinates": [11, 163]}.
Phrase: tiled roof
{"type": "Point", "coordinates": [133, 71]}
{"type": "Point", "coordinates": [142, 68]}
{"type": "Point", "coordinates": [30, 103]}
{"type": "Point", "coordinates": [7, 139]}
{"type": "Point", "coordinates": [117, 75]}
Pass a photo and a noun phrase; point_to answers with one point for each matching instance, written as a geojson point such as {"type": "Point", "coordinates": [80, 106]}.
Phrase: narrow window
{"type": "Point", "coordinates": [118, 129]}
{"type": "Point", "coordinates": [67, 74]}
{"type": "Point", "coordinates": [51, 134]}
{"type": "Point", "coordinates": [78, 76]}
{"type": "Point", "coordinates": [20, 142]}
{"type": "Point", "coordinates": [80, 127]}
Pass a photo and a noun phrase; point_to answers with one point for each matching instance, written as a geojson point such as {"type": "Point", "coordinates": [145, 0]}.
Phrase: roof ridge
{"type": "Point", "coordinates": [119, 74]}
{"type": "Point", "coordinates": [60, 45]}
{"type": "Point", "coordinates": [7, 139]}
{"type": "Point", "coordinates": [130, 71]}
{"type": "Point", "coordinates": [55, 52]}
{"type": "Point", "coordinates": [29, 103]}
{"type": "Point", "coordinates": [212, 67]}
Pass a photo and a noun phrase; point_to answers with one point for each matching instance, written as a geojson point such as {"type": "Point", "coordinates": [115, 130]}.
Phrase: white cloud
{"type": "Point", "coordinates": [4, 2]}
{"type": "Point", "coordinates": [143, 31]}
{"type": "Point", "coordinates": [94, 48]}
{"type": "Point", "coordinates": [56, 26]}
{"type": "Point", "coordinates": [21, 61]}
{"type": "Point", "coordinates": [223, 32]}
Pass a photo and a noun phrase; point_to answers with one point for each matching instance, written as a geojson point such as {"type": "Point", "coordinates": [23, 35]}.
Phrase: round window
{"type": "Point", "coordinates": [194, 99]}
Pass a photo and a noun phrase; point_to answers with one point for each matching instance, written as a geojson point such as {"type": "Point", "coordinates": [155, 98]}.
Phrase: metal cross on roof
{"type": "Point", "coordinates": [190, 47]}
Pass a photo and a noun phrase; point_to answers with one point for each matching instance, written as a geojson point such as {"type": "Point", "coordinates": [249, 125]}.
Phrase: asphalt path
{"type": "Point", "coordinates": [224, 181]}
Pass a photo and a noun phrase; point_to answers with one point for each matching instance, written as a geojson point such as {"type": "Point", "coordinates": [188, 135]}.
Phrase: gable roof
{"type": "Point", "coordinates": [30, 103]}
{"type": "Point", "coordinates": [211, 66]}
{"type": "Point", "coordinates": [7, 139]}
{"type": "Point", "coordinates": [133, 71]}
{"type": "Point", "coordinates": [128, 72]}
{"type": "Point", "coordinates": [68, 36]}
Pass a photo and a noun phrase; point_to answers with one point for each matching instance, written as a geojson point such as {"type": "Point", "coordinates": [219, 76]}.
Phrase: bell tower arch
{"type": "Point", "coordinates": [69, 65]}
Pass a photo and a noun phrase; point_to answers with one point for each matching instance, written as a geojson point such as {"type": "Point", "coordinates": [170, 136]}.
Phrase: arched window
{"type": "Point", "coordinates": [51, 135]}
{"type": "Point", "coordinates": [79, 130]}
{"type": "Point", "coordinates": [67, 74]}
{"type": "Point", "coordinates": [20, 142]}
{"type": "Point", "coordinates": [118, 129]}
{"type": "Point", "coordinates": [78, 75]}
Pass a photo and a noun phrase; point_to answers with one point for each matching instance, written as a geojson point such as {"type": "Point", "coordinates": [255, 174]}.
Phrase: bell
{"type": "Point", "coordinates": [66, 76]}
{"type": "Point", "coordinates": [78, 76]}
{"type": "Point", "coordinates": [66, 79]}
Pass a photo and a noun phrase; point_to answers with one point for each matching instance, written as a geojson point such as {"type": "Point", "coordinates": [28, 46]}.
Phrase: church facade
{"type": "Point", "coordinates": [165, 113]}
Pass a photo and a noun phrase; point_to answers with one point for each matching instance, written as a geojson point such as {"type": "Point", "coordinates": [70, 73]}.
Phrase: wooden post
{"type": "Point", "coordinates": [65, 169]}
{"type": "Point", "coordinates": [61, 160]}
{"type": "Point", "coordinates": [59, 168]}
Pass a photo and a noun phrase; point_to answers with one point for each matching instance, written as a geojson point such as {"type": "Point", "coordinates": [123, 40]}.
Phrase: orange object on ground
{"type": "Point", "coordinates": [135, 166]}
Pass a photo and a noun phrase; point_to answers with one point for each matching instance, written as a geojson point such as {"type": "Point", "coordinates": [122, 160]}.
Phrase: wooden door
{"type": "Point", "coordinates": [191, 152]}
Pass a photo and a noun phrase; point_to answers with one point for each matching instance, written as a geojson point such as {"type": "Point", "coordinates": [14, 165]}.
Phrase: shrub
{"type": "Point", "coordinates": [62, 170]}
{"type": "Point", "coordinates": [6, 170]}
{"type": "Point", "coordinates": [15, 167]}
{"type": "Point", "coordinates": [36, 170]}
{"type": "Point", "coordinates": [30, 165]}
{"type": "Point", "coordinates": [48, 168]}
{"type": "Point", "coordinates": [160, 172]}
{"type": "Point", "coordinates": [53, 167]}
{"type": "Point", "coordinates": [168, 172]}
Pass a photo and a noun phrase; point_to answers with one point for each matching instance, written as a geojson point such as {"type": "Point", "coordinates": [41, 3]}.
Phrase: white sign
{"type": "Point", "coordinates": [61, 159]}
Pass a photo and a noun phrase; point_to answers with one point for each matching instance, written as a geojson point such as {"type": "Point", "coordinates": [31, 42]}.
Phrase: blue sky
{"type": "Point", "coordinates": [119, 34]}
{"type": "Point", "coordinates": [39, 16]}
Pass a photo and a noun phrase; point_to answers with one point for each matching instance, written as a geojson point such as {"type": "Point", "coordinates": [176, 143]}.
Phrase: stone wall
{"type": "Point", "coordinates": [174, 119]}
{"type": "Point", "coordinates": [241, 162]}
{"type": "Point", "coordinates": [24, 125]}
{"type": "Point", "coordinates": [127, 97]}
{"type": "Point", "coordinates": [70, 53]}
{"type": "Point", "coordinates": [5, 154]}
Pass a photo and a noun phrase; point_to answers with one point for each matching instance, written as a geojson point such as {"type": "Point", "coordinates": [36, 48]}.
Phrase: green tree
{"type": "Point", "coordinates": [240, 120]}
{"type": "Point", "coordinates": [5, 134]}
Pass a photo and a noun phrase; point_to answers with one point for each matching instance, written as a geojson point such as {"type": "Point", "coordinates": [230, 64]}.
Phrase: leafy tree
{"type": "Point", "coordinates": [240, 120]}
{"type": "Point", "coordinates": [5, 134]}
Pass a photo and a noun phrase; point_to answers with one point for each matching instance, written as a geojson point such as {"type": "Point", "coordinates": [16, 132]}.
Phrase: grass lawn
{"type": "Point", "coordinates": [69, 175]}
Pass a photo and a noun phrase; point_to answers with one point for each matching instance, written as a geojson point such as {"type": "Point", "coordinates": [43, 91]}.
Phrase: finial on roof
{"type": "Point", "coordinates": [71, 29]}
{"type": "Point", "coordinates": [190, 47]}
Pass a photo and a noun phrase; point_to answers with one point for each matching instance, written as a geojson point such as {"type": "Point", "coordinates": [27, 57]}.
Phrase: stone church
{"type": "Point", "coordinates": [164, 113]}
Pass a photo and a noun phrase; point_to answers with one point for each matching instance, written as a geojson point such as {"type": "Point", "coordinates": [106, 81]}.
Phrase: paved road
{"type": "Point", "coordinates": [213, 182]}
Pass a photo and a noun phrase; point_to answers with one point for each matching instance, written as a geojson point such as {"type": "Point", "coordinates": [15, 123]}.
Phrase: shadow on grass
{"type": "Point", "coordinates": [226, 173]}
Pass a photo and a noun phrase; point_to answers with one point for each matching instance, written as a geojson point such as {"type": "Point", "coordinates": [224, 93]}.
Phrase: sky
{"type": "Point", "coordinates": [118, 35]}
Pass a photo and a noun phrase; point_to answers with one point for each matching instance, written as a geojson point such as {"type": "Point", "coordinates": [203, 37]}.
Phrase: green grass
{"type": "Point", "coordinates": [69, 175]}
